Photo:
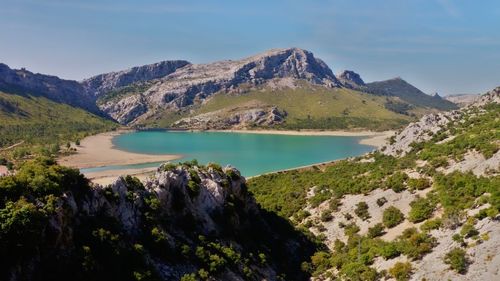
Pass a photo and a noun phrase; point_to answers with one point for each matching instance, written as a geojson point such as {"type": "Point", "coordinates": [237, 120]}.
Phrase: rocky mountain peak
{"type": "Point", "coordinates": [350, 79]}
{"type": "Point", "coordinates": [196, 82]}
{"type": "Point", "coordinates": [103, 83]}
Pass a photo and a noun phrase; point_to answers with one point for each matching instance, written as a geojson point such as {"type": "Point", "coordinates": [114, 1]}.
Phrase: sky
{"type": "Point", "coordinates": [444, 46]}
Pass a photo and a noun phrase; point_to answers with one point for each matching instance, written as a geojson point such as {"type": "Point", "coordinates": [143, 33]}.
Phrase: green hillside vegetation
{"type": "Point", "coordinates": [306, 107]}
{"type": "Point", "coordinates": [133, 89]}
{"type": "Point", "coordinates": [37, 120]}
{"type": "Point", "coordinates": [286, 192]}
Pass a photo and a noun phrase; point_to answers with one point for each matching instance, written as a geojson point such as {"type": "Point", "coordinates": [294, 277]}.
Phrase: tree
{"type": "Point", "coordinates": [401, 271]}
{"type": "Point", "coordinates": [362, 210]}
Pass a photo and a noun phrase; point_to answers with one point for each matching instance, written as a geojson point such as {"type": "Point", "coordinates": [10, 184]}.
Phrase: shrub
{"type": "Point", "coordinates": [362, 210]}
{"type": "Point", "coordinates": [392, 216]}
{"type": "Point", "coordinates": [418, 184]}
{"type": "Point", "coordinates": [376, 230]}
{"type": "Point", "coordinates": [431, 224]}
{"type": "Point", "coordinates": [468, 230]}
{"type": "Point", "coordinates": [401, 271]}
{"type": "Point", "coordinates": [381, 201]}
{"type": "Point", "coordinates": [396, 182]}
{"type": "Point", "coordinates": [457, 260]}
{"type": "Point", "coordinates": [326, 215]}
{"type": "Point", "coordinates": [421, 209]}
{"type": "Point", "coordinates": [351, 229]}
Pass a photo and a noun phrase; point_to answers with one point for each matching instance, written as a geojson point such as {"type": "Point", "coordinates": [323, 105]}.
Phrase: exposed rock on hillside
{"type": "Point", "coordinates": [350, 79]}
{"type": "Point", "coordinates": [104, 83]}
{"type": "Point", "coordinates": [22, 81]}
{"type": "Point", "coordinates": [193, 83]}
{"type": "Point", "coordinates": [186, 220]}
{"type": "Point", "coordinates": [237, 118]}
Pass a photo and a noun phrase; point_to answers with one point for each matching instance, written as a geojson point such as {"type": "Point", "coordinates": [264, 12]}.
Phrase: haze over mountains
{"type": "Point", "coordinates": [253, 91]}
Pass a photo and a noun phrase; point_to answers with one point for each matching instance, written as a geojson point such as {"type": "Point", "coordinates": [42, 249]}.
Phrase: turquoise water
{"type": "Point", "coordinates": [252, 154]}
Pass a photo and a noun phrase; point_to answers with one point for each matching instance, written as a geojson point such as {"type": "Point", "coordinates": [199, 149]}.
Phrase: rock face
{"type": "Point", "coordinates": [194, 83]}
{"type": "Point", "coordinates": [103, 83]}
{"type": "Point", "coordinates": [24, 82]}
{"type": "Point", "coordinates": [236, 119]}
{"type": "Point", "coordinates": [350, 79]}
{"type": "Point", "coordinates": [183, 219]}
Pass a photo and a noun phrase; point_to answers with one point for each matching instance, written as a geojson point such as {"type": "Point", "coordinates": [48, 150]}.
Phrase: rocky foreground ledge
{"type": "Point", "coordinates": [186, 222]}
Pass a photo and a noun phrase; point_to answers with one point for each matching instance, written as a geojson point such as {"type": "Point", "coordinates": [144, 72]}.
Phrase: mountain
{"type": "Point", "coordinates": [103, 83]}
{"type": "Point", "coordinates": [351, 79]}
{"type": "Point", "coordinates": [194, 83]}
{"type": "Point", "coordinates": [408, 93]}
{"type": "Point", "coordinates": [24, 82]}
{"type": "Point", "coordinates": [462, 99]}
{"type": "Point", "coordinates": [188, 222]}
{"type": "Point", "coordinates": [424, 207]}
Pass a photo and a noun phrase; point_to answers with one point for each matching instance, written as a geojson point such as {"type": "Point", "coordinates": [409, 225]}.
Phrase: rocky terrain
{"type": "Point", "coordinates": [424, 207]}
{"type": "Point", "coordinates": [187, 222]}
{"type": "Point", "coordinates": [463, 99]}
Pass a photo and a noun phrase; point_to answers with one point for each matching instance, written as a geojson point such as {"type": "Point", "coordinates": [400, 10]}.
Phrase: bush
{"type": "Point", "coordinates": [362, 210]}
{"type": "Point", "coordinates": [401, 271]}
{"type": "Point", "coordinates": [326, 215]}
{"type": "Point", "coordinates": [468, 230]}
{"type": "Point", "coordinates": [457, 260]}
{"type": "Point", "coordinates": [381, 201]}
{"type": "Point", "coordinates": [431, 224]}
{"type": "Point", "coordinates": [421, 209]}
{"type": "Point", "coordinates": [418, 184]}
{"type": "Point", "coordinates": [376, 230]}
{"type": "Point", "coordinates": [392, 216]}
{"type": "Point", "coordinates": [397, 181]}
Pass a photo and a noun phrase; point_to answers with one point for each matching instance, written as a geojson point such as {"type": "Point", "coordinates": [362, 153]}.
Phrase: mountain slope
{"type": "Point", "coordinates": [194, 83]}
{"type": "Point", "coordinates": [103, 83]}
{"type": "Point", "coordinates": [23, 82]}
{"type": "Point", "coordinates": [424, 207]}
{"type": "Point", "coordinates": [36, 119]}
{"type": "Point", "coordinates": [188, 222]}
{"type": "Point", "coordinates": [408, 93]}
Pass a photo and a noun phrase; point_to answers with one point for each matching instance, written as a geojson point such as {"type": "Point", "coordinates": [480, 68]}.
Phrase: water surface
{"type": "Point", "coordinates": [252, 154]}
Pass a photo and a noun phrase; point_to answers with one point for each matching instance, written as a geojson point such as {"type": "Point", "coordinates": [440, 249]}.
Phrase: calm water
{"type": "Point", "coordinates": [252, 154]}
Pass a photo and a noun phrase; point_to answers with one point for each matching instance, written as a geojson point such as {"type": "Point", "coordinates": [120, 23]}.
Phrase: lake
{"type": "Point", "coordinates": [252, 154]}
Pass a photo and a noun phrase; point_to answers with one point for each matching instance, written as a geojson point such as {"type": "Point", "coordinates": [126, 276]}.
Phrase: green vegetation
{"type": "Point", "coordinates": [401, 271]}
{"type": "Point", "coordinates": [133, 89]}
{"type": "Point", "coordinates": [286, 193]}
{"type": "Point", "coordinates": [362, 211]}
{"type": "Point", "coordinates": [457, 260]}
{"type": "Point", "coordinates": [421, 209]}
{"type": "Point", "coordinates": [306, 107]}
{"type": "Point", "coordinates": [392, 216]}
{"type": "Point", "coordinates": [40, 126]}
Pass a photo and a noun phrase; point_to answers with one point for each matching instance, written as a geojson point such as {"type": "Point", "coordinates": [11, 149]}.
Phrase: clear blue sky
{"type": "Point", "coordinates": [449, 46]}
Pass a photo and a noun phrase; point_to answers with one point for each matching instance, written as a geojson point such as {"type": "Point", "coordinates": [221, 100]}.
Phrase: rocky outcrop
{"type": "Point", "coordinates": [419, 131]}
{"type": "Point", "coordinates": [194, 83]}
{"type": "Point", "coordinates": [24, 82]}
{"type": "Point", "coordinates": [350, 79]}
{"type": "Point", "coordinates": [104, 83]}
{"type": "Point", "coordinates": [235, 119]}
{"type": "Point", "coordinates": [428, 125]}
{"type": "Point", "coordinates": [186, 219]}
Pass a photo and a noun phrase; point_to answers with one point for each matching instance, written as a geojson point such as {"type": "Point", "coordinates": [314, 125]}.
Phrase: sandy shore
{"type": "Point", "coordinates": [98, 151]}
{"type": "Point", "coordinates": [376, 139]}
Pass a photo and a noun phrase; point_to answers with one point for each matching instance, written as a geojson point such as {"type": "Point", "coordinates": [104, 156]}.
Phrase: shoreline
{"type": "Point", "coordinates": [98, 151]}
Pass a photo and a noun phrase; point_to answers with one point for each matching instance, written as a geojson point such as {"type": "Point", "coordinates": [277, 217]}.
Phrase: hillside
{"type": "Point", "coordinates": [36, 119]}
{"type": "Point", "coordinates": [300, 106]}
{"type": "Point", "coordinates": [409, 94]}
{"type": "Point", "coordinates": [188, 222]}
{"type": "Point", "coordinates": [24, 82]}
{"type": "Point", "coordinates": [424, 207]}
{"type": "Point", "coordinates": [233, 94]}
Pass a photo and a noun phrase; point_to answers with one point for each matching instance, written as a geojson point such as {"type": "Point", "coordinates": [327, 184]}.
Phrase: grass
{"type": "Point", "coordinates": [38, 120]}
{"type": "Point", "coordinates": [306, 107]}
